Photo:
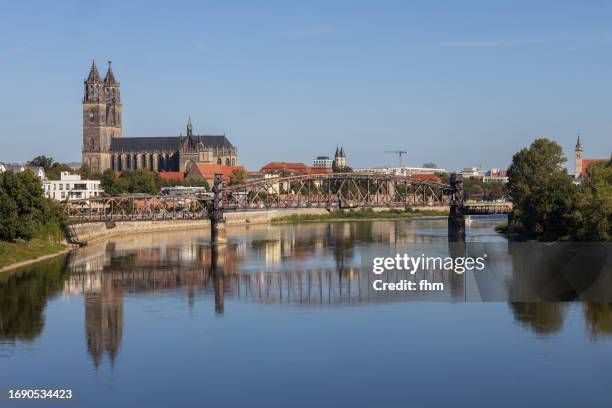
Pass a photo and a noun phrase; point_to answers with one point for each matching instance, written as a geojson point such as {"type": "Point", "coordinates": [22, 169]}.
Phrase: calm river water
{"type": "Point", "coordinates": [285, 315]}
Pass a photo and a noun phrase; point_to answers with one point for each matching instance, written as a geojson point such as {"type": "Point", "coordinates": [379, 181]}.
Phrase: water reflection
{"type": "Point", "coordinates": [24, 296]}
{"type": "Point", "coordinates": [306, 265]}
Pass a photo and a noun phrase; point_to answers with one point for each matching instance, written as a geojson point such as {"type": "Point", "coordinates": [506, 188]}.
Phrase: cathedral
{"type": "Point", "coordinates": [105, 148]}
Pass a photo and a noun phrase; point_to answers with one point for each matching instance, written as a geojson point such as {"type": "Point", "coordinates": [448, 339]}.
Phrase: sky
{"type": "Point", "coordinates": [456, 83]}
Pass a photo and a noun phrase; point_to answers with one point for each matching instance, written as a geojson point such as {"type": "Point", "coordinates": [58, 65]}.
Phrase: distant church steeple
{"type": "Point", "coordinates": [578, 157]}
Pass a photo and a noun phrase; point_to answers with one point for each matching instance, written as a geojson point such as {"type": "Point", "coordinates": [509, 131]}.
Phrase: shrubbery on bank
{"type": "Point", "coordinates": [25, 213]}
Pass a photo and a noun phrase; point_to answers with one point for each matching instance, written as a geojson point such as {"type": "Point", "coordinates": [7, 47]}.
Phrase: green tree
{"type": "Point", "coordinates": [238, 176]}
{"type": "Point", "coordinates": [140, 181]}
{"type": "Point", "coordinates": [54, 172]}
{"type": "Point", "coordinates": [543, 194]}
{"type": "Point", "coordinates": [110, 183]}
{"type": "Point", "coordinates": [87, 174]}
{"type": "Point", "coordinates": [593, 218]}
{"type": "Point", "coordinates": [430, 165]}
{"type": "Point", "coordinates": [24, 210]}
{"type": "Point", "coordinates": [42, 161]}
{"type": "Point", "coordinates": [443, 176]}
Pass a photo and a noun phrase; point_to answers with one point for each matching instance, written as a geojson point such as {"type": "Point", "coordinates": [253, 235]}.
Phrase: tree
{"type": "Point", "coordinates": [238, 176]}
{"type": "Point", "coordinates": [593, 218]}
{"type": "Point", "coordinates": [43, 161]}
{"type": "Point", "coordinates": [86, 173]}
{"type": "Point", "coordinates": [54, 172]}
{"type": "Point", "coordinates": [430, 165]}
{"type": "Point", "coordinates": [24, 210]}
{"type": "Point", "coordinates": [543, 194]}
{"type": "Point", "coordinates": [444, 177]}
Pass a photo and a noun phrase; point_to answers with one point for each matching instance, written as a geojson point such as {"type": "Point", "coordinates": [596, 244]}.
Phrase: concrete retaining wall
{"type": "Point", "coordinates": [90, 231]}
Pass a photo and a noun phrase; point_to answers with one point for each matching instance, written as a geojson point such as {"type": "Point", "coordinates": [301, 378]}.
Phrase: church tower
{"type": "Point", "coordinates": [101, 118]}
{"type": "Point", "coordinates": [578, 159]}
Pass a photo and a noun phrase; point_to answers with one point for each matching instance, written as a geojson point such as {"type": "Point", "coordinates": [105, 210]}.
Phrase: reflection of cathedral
{"type": "Point", "coordinates": [104, 321]}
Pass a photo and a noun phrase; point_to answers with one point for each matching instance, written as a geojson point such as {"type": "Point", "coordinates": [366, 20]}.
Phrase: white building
{"type": "Point", "coordinates": [495, 175]}
{"type": "Point", "coordinates": [71, 187]}
{"type": "Point", "coordinates": [18, 168]}
{"type": "Point", "coordinates": [472, 172]}
{"type": "Point", "coordinates": [323, 161]}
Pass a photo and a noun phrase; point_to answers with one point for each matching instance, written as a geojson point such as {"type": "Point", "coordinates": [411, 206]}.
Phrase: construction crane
{"type": "Point", "coordinates": [400, 153]}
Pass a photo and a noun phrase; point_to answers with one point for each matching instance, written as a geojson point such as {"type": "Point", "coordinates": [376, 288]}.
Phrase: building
{"type": "Point", "coordinates": [323, 162]}
{"type": "Point", "coordinates": [104, 146]}
{"type": "Point", "coordinates": [495, 175]}
{"type": "Point", "coordinates": [18, 168]}
{"type": "Point", "coordinates": [472, 172]}
{"type": "Point", "coordinates": [580, 163]}
{"type": "Point", "coordinates": [285, 169]}
{"type": "Point", "coordinates": [339, 159]}
{"type": "Point", "coordinates": [71, 187]}
{"type": "Point", "coordinates": [207, 171]}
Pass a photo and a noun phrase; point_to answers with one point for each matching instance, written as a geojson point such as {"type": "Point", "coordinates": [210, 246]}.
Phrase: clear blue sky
{"type": "Point", "coordinates": [458, 83]}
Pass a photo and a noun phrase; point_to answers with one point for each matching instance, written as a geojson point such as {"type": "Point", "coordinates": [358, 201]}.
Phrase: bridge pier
{"type": "Point", "coordinates": [215, 214]}
{"type": "Point", "coordinates": [456, 217]}
{"type": "Point", "coordinates": [217, 267]}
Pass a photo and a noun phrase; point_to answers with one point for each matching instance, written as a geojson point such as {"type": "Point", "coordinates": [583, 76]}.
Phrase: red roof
{"type": "Point", "coordinates": [172, 175]}
{"type": "Point", "coordinates": [587, 162]}
{"type": "Point", "coordinates": [427, 177]}
{"type": "Point", "coordinates": [321, 170]}
{"type": "Point", "coordinates": [208, 171]}
{"type": "Point", "coordinates": [287, 167]}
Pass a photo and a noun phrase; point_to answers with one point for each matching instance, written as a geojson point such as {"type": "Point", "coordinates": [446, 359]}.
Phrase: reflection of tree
{"type": "Point", "coordinates": [543, 318]}
{"type": "Point", "coordinates": [104, 321]}
{"type": "Point", "coordinates": [23, 297]}
{"type": "Point", "coordinates": [598, 317]}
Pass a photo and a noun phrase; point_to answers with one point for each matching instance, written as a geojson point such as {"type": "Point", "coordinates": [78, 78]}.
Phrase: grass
{"type": "Point", "coordinates": [366, 214]}
{"type": "Point", "coordinates": [14, 252]}
{"type": "Point", "coordinates": [502, 227]}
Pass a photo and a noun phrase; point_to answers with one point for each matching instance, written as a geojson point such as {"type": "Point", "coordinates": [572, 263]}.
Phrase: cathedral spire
{"type": "Point", "coordinates": [93, 76]}
{"type": "Point", "coordinates": [189, 127]}
{"type": "Point", "coordinates": [578, 144]}
{"type": "Point", "coordinates": [109, 80]}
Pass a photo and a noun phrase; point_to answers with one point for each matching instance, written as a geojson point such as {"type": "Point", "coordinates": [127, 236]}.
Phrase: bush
{"type": "Point", "coordinates": [25, 212]}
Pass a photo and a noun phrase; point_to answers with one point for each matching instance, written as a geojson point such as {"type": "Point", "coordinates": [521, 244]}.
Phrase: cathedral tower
{"type": "Point", "coordinates": [101, 117]}
{"type": "Point", "coordinates": [578, 159]}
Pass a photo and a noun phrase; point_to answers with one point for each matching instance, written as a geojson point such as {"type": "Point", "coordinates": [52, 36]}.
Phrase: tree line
{"type": "Point", "coordinates": [547, 203]}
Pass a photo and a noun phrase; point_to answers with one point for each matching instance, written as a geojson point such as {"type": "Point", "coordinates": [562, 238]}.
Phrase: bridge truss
{"type": "Point", "coordinates": [328, 191]}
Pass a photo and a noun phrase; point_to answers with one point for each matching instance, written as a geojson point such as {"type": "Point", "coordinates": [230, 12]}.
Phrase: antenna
{"type": "Point", "coordinates": [400, 153]}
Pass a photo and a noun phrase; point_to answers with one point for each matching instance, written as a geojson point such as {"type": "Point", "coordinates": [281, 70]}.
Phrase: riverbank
{"type": "Point", "coordinates": [360, 215]}
{"type": "Point", "coordinates": [92, 231]}
{"type": "Point", "coordinates": [17, 254]}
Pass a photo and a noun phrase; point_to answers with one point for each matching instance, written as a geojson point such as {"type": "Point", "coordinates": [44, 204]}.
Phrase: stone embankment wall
{"type": "Point", "coordinates": [90, 231]}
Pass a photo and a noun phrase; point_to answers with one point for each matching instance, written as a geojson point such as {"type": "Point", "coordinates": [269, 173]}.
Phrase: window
{"type": "Point", "coordinates": [61, 187]}
{"type": "Point", "coordinates": [91, 115]}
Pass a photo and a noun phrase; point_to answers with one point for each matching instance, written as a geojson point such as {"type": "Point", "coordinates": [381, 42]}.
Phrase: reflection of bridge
{"type": "Point", "coordinates": [326, 191]}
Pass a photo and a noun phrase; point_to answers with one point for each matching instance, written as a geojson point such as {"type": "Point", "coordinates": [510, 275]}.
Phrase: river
{"type": "Point", "coordinates": [285, 315]}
